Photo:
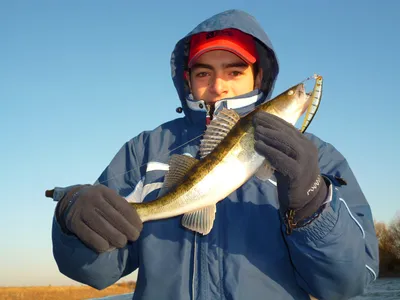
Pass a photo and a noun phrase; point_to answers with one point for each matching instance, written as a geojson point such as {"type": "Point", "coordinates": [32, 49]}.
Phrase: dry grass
{"type": "Point", "coordinates": [63, 292]}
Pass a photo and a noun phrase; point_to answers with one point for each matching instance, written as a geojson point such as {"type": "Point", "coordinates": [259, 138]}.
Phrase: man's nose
{"type": "Point", "coordinates": [218, 85]}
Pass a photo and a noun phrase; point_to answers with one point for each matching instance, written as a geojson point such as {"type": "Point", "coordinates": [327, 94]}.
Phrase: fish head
{"type": "Point", "coordinates": [290, 104]}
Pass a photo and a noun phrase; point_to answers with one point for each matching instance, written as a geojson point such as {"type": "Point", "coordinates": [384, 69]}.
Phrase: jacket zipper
{"type": "Point", "coordinates": [194, 266]}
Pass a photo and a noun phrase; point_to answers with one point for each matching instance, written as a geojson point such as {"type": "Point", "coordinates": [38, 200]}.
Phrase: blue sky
{"type": "Point", "coordinates": [80, 78]}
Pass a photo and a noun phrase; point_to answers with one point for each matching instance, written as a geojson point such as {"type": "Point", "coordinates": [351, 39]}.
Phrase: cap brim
{"type": "Point", "coordinates": [233, 48]}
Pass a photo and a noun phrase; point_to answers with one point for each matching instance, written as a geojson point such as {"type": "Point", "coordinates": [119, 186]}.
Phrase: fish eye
{"type": "Point", "coordinates": [291, 92]}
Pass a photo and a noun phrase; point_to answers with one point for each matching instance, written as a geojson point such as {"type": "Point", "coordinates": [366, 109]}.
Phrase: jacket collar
{"type": "Point", "coordinates": [197, 109]}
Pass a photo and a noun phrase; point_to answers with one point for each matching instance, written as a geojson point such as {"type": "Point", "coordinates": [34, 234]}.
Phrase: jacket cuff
{"type": "Point", "coordinates": [84, 265]}
{"type": "Point", "coordinates": [317, 228]}
{"type": "Point", "coordinates": [62, 238]}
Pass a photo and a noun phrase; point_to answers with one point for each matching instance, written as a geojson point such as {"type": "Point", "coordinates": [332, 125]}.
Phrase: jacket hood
{"type": "Point", "coordinates": [229, 19]}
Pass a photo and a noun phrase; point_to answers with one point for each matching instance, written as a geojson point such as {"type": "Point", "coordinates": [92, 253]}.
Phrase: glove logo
{"type": "Point", "coordinates": [314, 186]}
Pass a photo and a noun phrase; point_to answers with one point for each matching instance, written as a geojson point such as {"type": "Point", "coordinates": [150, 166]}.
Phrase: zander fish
{"type": "Point", "coordinates": [193, 187]}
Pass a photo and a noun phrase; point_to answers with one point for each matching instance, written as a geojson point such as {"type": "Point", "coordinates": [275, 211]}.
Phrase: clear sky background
{"type": "Point", "coordinates": [80, 78]}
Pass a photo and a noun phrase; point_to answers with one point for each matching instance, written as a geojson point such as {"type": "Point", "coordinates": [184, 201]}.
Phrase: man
{"type": "Point", "coordinates": [307, 231]}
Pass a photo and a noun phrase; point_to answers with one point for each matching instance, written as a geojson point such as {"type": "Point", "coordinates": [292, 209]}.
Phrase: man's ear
{"type": "Point", "coordinates": [258, 80]}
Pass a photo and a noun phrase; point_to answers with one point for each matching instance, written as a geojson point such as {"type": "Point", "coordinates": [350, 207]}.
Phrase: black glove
{"type": "Point", "coordinates": [99, 217]}
{"type": "Point", "coordinates": [301, 188]}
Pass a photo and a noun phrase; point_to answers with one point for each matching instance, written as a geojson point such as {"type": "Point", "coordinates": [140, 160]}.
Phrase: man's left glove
{"type": "Point", "coordinates": [301, 188]}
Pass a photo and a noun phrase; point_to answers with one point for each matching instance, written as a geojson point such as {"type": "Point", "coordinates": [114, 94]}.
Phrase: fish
{"type": "Point", "coordinates": [192, 187]}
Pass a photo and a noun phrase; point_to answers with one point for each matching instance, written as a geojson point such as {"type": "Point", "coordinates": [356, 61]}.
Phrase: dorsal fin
{"type": "Point", "coordinates": [179, 165]}
{"type": "Point", "coordinates": [217, 130]}
{"type": "Point", "coordinates": [201, 220]}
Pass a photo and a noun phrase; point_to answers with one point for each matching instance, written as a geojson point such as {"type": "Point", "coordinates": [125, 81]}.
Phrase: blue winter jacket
{"type": "Point", "coordinates": [247, 254]}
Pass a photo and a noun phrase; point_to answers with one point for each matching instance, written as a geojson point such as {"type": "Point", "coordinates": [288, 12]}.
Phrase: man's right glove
{"type": "Point", "coordinates": [99, 217]}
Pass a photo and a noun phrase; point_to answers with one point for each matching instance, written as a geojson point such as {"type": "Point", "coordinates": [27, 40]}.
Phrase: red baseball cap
{"type": "Point", "coordinates": [232, 40]}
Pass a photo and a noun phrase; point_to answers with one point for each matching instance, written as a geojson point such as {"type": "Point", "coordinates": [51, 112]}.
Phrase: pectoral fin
{"type": "Point", "coordinates": [200, 221]}
{"type": "Point", "coordinates": [265, 171]}
{"type": "Point", "coordinates": [179, 165]}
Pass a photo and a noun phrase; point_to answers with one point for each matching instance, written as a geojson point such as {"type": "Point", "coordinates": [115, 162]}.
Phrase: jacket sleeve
{"type": "Point", "coordinates": [79, 262]}
{"type": "Point", "coordinates": [336, 255]}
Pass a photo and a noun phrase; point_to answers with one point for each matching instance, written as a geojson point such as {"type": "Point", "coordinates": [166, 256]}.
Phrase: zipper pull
{"type": "Point", "coordinates": [208, 115]}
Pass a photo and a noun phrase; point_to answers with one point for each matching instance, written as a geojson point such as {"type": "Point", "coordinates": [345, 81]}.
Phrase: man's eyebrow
{"type": "Point", "coordinates": [200, 65]}
{"type": "Point", "coordinates": [240, 64]}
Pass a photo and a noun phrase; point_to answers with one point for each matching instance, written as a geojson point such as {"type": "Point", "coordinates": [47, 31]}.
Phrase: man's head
{"type": "Point", "coordinates": [222, 64]}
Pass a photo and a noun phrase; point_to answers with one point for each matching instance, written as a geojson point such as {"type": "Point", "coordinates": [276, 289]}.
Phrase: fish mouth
{"type": "Point", "coordinates": [300, 89]}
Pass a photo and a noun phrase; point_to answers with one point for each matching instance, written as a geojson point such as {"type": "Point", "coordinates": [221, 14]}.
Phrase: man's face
{"type": "Point", "coordinates": [220, 74]}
